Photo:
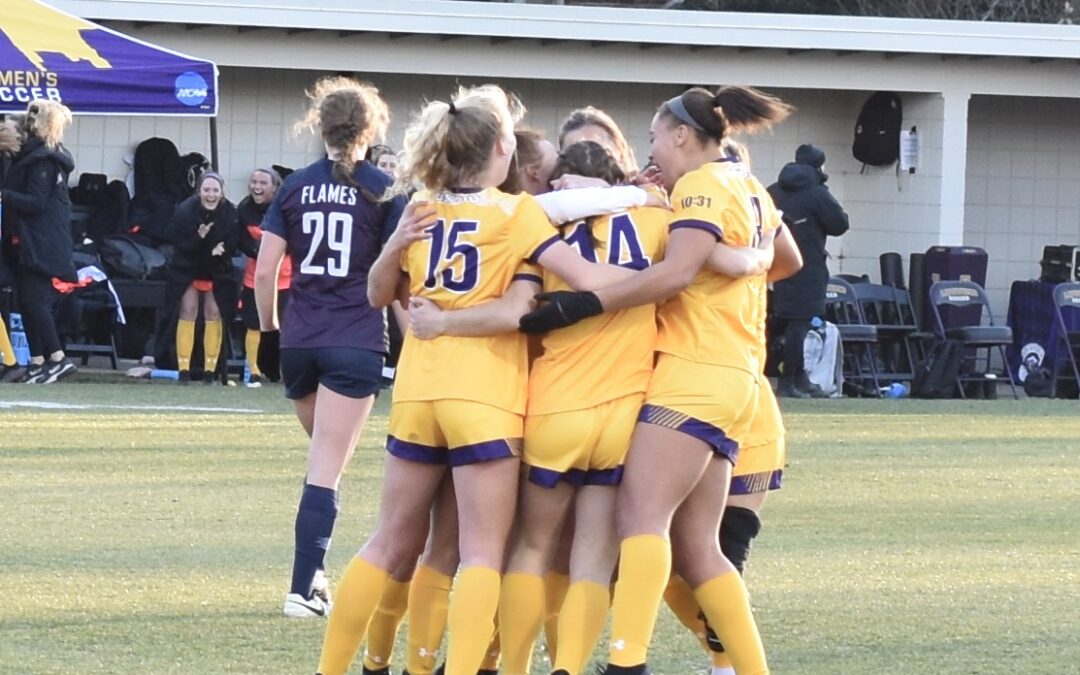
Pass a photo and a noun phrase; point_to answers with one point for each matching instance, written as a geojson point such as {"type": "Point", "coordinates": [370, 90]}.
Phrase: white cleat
{"type": "Point", "coordinates": [320, 588]}
{"type": "Point", "coordinates": [298, 607]}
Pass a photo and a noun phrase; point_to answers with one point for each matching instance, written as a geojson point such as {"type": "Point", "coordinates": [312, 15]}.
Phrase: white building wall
{"type": "Point", "coordinates": [1023, 185]}
{"type": "Point", "coordinates": [258, 107]}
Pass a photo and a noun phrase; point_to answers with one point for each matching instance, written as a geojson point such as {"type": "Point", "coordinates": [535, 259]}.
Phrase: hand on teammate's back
{"type": "Point", "coordinates": [269, 358]}
{"type": "Point", "coordinates": [415, 221]}
{"type": "Point", "coordinates": [559, 309]}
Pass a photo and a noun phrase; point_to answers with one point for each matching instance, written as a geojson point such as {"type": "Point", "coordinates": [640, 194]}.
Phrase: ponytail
{"type": "Point", "coordinates": [349, 115]}
{"type": "Point", "coordinates": [730, 109]}
{"type": "Point", "coordinates": [451, 142]}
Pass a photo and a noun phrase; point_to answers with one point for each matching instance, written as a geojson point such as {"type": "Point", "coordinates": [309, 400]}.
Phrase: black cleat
{"type": "Point", "coordinates": [183, 377]}
{"type": "Point", "coordinates": [380, 671]}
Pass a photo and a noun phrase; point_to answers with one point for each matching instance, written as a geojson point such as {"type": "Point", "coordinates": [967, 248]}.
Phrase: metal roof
{"type": "Point", "coordinates": [647, 27]}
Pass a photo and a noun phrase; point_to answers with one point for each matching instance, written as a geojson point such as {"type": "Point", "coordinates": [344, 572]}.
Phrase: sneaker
{"type": "Point", "coordinates": [34, 374]}
{"type": "Point", "coordinates": [12, 373]}
{"type": "Point", "coordinates": [209, 377]}
{"type": "Point", "coordinates": [297, 607]}
{"type": "Point", "coordinates": [57, 370]}
{"type": "Point", "coordinates": [184, 377]}
{"type": "Point", "coordinates": [803, 382]}
{"type": "Point", "coordinates": [254, 382]}
{"type": "Point", "coordinates": [381, 671]}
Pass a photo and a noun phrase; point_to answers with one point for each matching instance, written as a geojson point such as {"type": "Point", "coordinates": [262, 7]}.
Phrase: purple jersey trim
{"type": "Point", "coordinates": [523, 276]}
{"type": "Point", "coordinates": [712, 436]}
{"type": "Point", "coordinates": [757, 482]}
{"type": "Point", "coordinates": [691, 224]}
{"type": "Point", "coordinates": [545, 245]}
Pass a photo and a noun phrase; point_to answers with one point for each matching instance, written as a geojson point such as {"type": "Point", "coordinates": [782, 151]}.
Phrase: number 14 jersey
{"type": "Point", "coordinates": [334, 233]}
{"type": "Point", "coordinates": [477, 245]}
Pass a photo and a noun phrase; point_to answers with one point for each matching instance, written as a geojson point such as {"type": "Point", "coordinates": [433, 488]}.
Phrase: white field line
{"type": "Point", "coordinates": [49, 405]}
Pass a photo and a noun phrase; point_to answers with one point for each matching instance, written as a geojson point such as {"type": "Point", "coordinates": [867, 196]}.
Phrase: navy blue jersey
{"type": "Point", "coordinates": [333, 233]}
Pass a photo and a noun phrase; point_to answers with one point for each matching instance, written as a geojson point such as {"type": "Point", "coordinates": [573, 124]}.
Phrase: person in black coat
{"type": "Point", "coordinates": [812, 215]}
{"type": "Point", "coordinates": [206, 232]}
{"type": "Point", "coordinates": [37, 217]}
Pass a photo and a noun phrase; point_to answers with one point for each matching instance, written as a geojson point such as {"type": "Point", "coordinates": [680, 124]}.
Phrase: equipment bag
{"type": "Point", "coordinates": [823, 358]}
{"type": "Point", "coordinates": [936, 376]}
{"type": "Point", "coordinates": [125, 258]}
{"type": "Point", "coordinates": [877, 131]}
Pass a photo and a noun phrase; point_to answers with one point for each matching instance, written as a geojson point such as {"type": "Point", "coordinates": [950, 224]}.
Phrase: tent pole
{"type": "Point", "coordinates": [213, 144]}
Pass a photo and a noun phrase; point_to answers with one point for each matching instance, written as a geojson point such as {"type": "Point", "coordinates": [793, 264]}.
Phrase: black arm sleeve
{"type": "Point", "coordinates": [40, 182]}
{"type": "Point", "coordinates": [833, 219]}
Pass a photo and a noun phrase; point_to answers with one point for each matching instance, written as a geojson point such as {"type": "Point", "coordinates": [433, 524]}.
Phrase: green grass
{"type": "Point", "coordinates": [911, 537]}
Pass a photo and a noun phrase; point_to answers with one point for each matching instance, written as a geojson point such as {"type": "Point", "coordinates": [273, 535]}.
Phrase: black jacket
{"type": "Point", "coordinates": [812, 214]}
{"type": "Point", "coordinates": [37, 209]}
{"type": "Point", "coordinates": [250, 213]}
{"type": "Point", "coordinates": [193, 258]}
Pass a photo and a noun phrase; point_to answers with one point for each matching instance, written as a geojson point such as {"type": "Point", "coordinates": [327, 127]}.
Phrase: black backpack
{"type": "Point", "coordinates": [125, 258]}
{"type": "Point", "coordinates": [877, 131]}
{"type": "Point", "coordinates": [936, 375]}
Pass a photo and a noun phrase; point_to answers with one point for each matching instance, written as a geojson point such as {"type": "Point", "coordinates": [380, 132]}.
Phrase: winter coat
{"type": "Point", "coordinates": [193, 256]}
{"type": "Point", "coordinates": [37, 210]}
{"type": "Point", "coordinates": [812, 214]}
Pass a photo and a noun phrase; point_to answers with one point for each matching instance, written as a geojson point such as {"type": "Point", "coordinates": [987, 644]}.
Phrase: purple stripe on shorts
{"type": "Point", "coordinates": [713, 436]}
{"type": "Point", "coordinates": [549, 478]}
{"type": "Point", "coordinates": [604, 476]}
{"type": "Point", "coordinates": [480, 452]}
{"type": "Point", "coordinates": [415, 452]}
{"type": "Point", "coordinates": [524, 276]}
{"type": "Point", "coordinates": [756, 482]}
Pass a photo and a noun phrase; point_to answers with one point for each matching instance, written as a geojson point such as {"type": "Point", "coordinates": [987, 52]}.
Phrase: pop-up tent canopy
{"type": "Point", "coordinates": [46, 53]}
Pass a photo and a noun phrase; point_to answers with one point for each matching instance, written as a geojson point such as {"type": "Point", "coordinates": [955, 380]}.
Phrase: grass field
{"type": "Point", "coordinates": [911, 537]}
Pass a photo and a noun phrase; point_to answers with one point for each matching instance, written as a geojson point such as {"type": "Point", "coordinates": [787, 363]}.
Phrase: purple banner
{"type": "Point", "coordinates": [48, 54]}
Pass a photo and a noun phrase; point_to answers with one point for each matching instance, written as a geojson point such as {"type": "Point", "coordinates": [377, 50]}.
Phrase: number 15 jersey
{"type": "Point", "coordinates": [334, 233]}
{"type": "Point", "coordinates": [477, 245]}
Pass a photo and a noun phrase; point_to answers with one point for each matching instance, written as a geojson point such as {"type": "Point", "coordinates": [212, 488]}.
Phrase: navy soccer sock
{"type": "Point", "coordinates": [314, 526]}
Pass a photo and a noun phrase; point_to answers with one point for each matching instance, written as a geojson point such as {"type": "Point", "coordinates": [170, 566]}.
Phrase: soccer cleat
{"type": "Point", "coordinates": [254, 382]}
{"type": "Point", "coordinates": [298, 607]}
{"type": "Point", "coordinates": [560, 672]}
{"type": "Point", "coordinates": [57, 370]}
{"type": "Point", "coordinates": [381, 671]}
{"type": "Point", "coordinates": [493, 672]}
{"type": "Point", "coordinates": [209, 377]}
{"type": "Point", "coordinates": [34, 374]}
{"type": "Point", "coordinates": [183, 377]}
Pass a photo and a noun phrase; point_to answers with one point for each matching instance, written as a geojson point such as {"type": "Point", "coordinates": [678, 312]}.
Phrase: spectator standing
{"type": "Point", "coordinates": [812, 215]}
{"type": "Point", "coordinates": [201, 270]}
{"type": "Point", "coordinates": [37, 214]}
{"type": "Point", "coordinates": [262, 186]}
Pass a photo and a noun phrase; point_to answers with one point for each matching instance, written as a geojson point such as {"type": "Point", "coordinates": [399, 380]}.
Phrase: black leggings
{"type": "Point", "coordinates": [795, 331]}
{"type": "Point", "coordinates": [37, 302]}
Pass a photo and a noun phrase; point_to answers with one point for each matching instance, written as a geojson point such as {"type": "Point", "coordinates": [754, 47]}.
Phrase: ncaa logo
{"type": "Point", "coordinates": [191, 89]}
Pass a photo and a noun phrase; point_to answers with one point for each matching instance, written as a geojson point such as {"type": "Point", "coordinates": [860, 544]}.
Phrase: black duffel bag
{"type": "Point", "coordinates": [125, 258]}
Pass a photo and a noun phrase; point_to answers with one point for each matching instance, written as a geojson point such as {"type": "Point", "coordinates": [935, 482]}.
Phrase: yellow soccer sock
{"type": "Point", "coordinates": [356, 598]}
{"type": "Point", "coordinates": [644, 569]}
{"type": "Point", "coordinates": [521, 613]}
{"type": "Point", "coordinates": [494, 652]}
{"type": "Point", "coordinates": [251, 350]}
{"type": "Point", "coordinates": [185, 343]}
{"type": "Point", "coordinates": [429, 598]}
{"type": "Point", "coordinates": [383, 629]}
{"type": "Point", "coordinates": [727, 606]}
{"type": "Point", "coordinates": [212, 344]}
{"type": "Point", "coordinates": [680, 598]}
{"type": "Point", "coordinates": [471, 621]}
{"type": "Point", "coordinates": [7, 351]}
{"type": "Point", "coordinates": [555, 586]}
{"type": "Point", "coordinates": [581, 620]}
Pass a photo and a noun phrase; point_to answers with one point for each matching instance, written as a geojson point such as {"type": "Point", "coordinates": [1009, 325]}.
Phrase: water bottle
{"type": "Point", "coordinates": [894, 390]}
{"type": "Point", "coordinates": [18, 340]}
{"type": "Point", "coordinates": [247, 372]}
{"type": "Point", "coordinates": [160, 374]}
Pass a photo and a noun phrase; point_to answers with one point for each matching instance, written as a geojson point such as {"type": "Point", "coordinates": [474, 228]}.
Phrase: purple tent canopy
{"type": "Point", "coordinates": [48, 54]}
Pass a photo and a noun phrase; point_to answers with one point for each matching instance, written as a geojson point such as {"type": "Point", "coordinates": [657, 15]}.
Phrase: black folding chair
{"type": "Point", "coordinates": [90, 326]}
{"type": "Point", "coordinates": [1066, 299]}
{"type": "Point", "coordinates": [894, 328]}
{"type": "Point", "coordinates": [974, 336]}
{"type": "Point", "coordinates": [857, 336]}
